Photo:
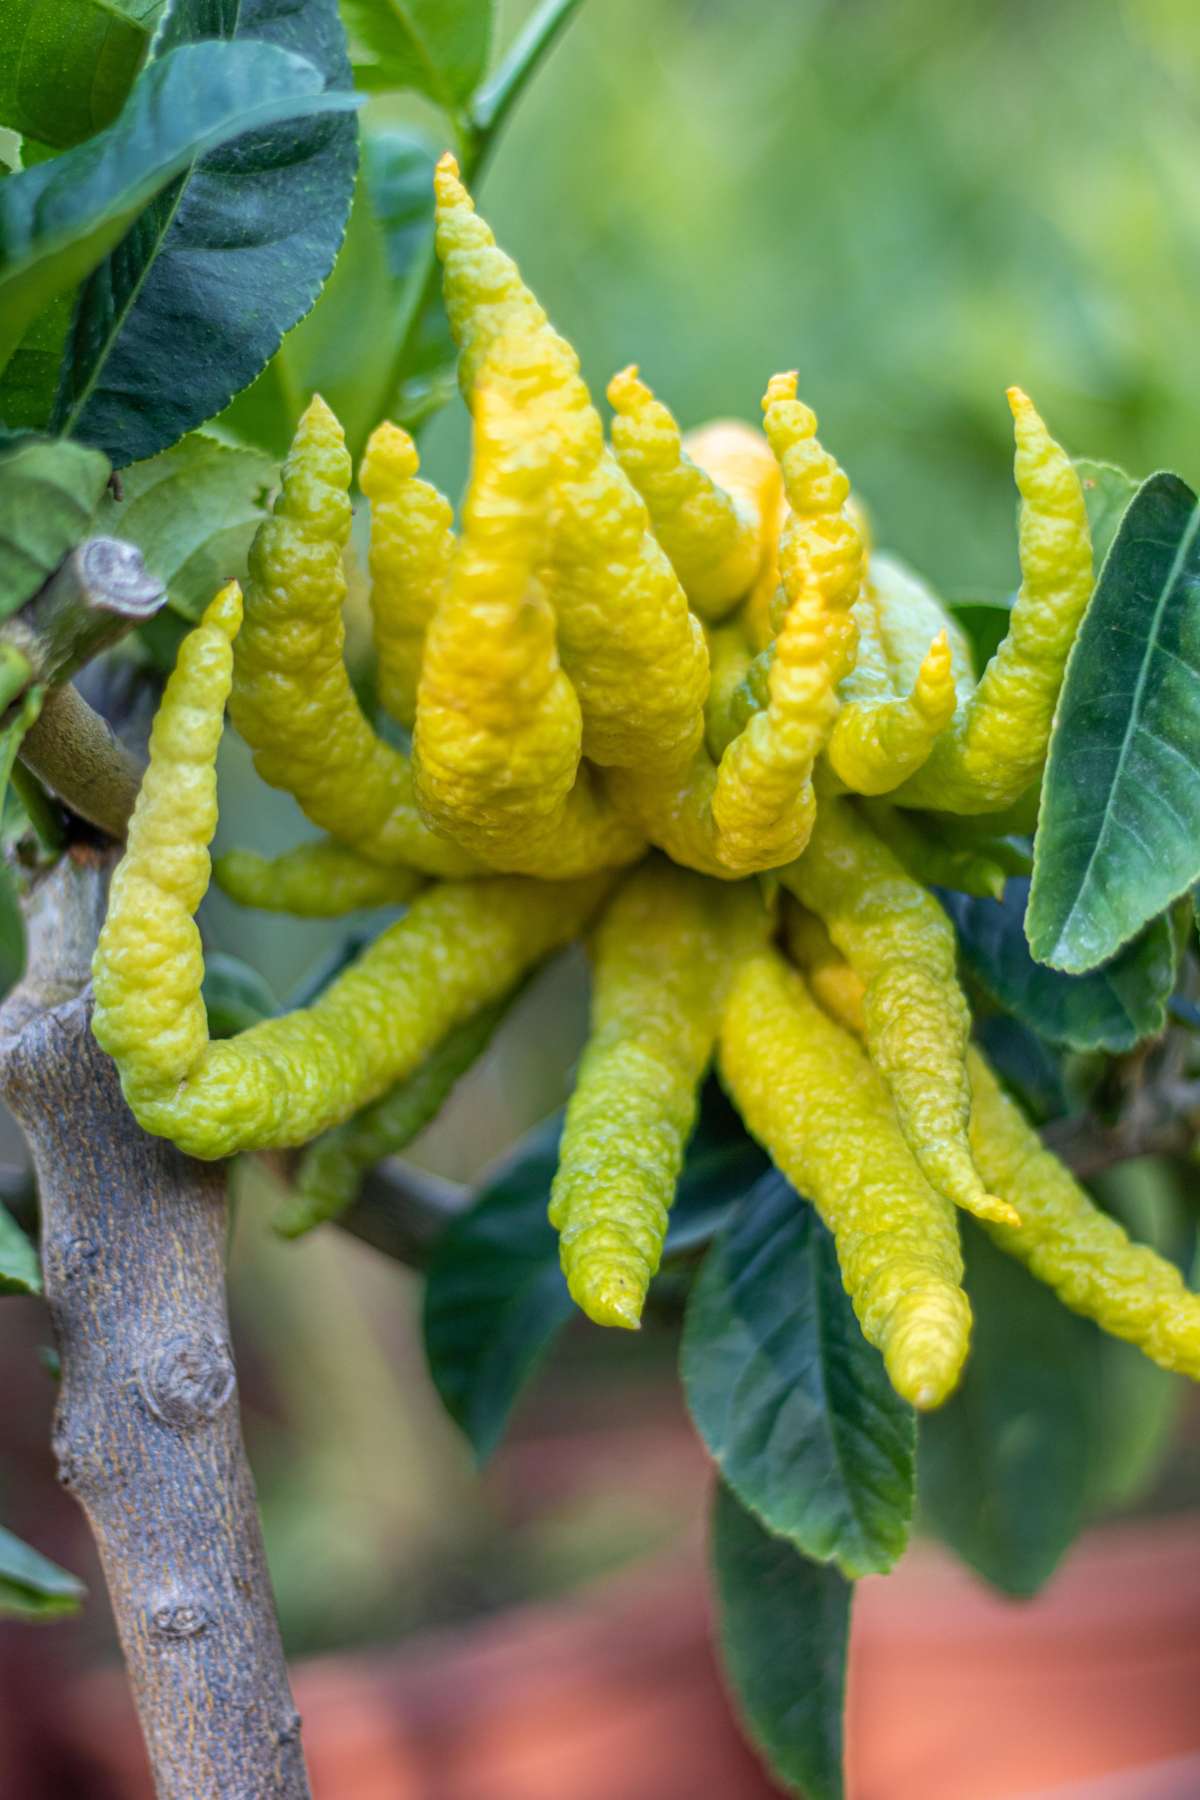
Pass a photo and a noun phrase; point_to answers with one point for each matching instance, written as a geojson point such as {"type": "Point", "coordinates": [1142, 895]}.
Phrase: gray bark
{"type": "Point", "coordinates": [147, 1433]}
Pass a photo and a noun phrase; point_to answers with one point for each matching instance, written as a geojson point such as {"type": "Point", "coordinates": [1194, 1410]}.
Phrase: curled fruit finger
{"type": "Point", "coordinates": [662, 959]}
{"type": "Point", "coordinates": [897, 937]}
{"type": "Point", "coordinates": [460, 946]}
{"type": "Point", "coordinates": [810, 1096]}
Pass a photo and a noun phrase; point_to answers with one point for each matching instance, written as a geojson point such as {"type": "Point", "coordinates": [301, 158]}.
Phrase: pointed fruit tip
{"type": "Point", "coordinates": [390, 454]}
{"type": "Point", "coordinates": [224, 610]}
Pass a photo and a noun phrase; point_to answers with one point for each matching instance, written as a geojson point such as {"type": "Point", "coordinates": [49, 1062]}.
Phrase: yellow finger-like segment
{"type": "Point", "coordinates": [412, 542]}
{"type": "Point", "coordinates": [1064, 1238]}
{"type": "Point", "coordinates": [321, 880]}
{"type": "Point", "coordinates": [460, 946]}
{"type": "Point", "coordinates": [497, 746]}
{"type": "Point", "coordinates": [877, 744]}
{"type": "Point", "coordinates": [149, 964]}
{"type": "Point", "coordinates": [810, 1096]}
{"type": "Point", "coordinates": [997, 744]}
{"type": "Point", "coordinates": [763, 803]}
{"type": "Point", "coordinates": [673, 809]}
{"type": "Point", "coordinates": [1067, 1242]}
{"type": "Point", "coordinates": [662, 958]}
{"type": "Point", "coordinates": [821, 545]}
{"type": "Point", "coordinates": [833, 984]}
{"type": "Point", "coordinates": [486, 299]}
{"type": "Point", "coordinates": [896, 936]}
{"type": "Point", "coordinates": [715, 544]}
{"type": "Point", "coordinates": [292, 700]}
{"type": "Point", "coordinates": [634, 653]}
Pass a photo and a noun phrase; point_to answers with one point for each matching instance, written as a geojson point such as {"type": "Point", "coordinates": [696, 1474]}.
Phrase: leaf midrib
{"type": "Point", "coordinates": [100, 361]}
{"type": "Point", "coordinates": [424, 53]}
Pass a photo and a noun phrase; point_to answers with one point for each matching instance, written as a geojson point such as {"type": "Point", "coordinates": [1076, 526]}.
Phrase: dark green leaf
{"type": "Point", "coordinates": [192, 511]}
{"type": "Point", "coordinates": [347, 347]}
{"type": "Point", "coordinates": [784, 1632]}
{"type": "Point", "coordinates": [986, 623]}
{"type": "Point", "coordinates": [222, 263]}
{"type": "Point", "coordinates": [1112, 1008]}
{"type": "Point", "coordinates": [49, 493]}
{"type": "Point", "coordinates": [20, 1272]}
{"type": "Point", "coordinates": [1107, 492]}
{"type": "Point", "coordinates": [235, 995]}
{"type": "Point", "coordinates": [495, 1297]}
{"type": "Point", "coordinates": [1005, 1465]}
{"type": "Point", "coordinates": [1119, 831]}
{"type": "Point", "coordinates": [31, 1586]}
{"type": "Point", "coordinates": [1025, 1063]}
{"type": "Point", "coordinates": [438, 47]}
{"type": "Point", "coordinates": [67, 66]}
{"type": "Point", "coordinates": [721, 1166]}
{"type": "Point", "coordinates": [61, 219]}
{"type": "Point", "coordinates": [399, 167]}
{"type": "Point", "coordinates": [793, 1403]}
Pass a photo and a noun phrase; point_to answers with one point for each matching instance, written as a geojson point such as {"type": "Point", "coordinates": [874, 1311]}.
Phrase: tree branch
{"type": "Point", "coordinates": [1167, 1126]}
{"type": "Point", "coordinates": [71, 748]}
{"type": "Point", "coordinates": [402, 1210]}
{"type": "Point", "coordinates": [92, 599]}
{"type": "Point", "coordinates": [147, 1434]}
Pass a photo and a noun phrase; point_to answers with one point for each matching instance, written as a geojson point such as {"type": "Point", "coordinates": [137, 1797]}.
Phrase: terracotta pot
{"type": "Point", "coordinates": [1088, 1693]}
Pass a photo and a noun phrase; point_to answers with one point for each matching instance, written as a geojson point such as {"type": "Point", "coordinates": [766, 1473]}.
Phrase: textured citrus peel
{"type": "Point", "coordinates": [897, 937]}
{"type": "Point", "coordinates": [459, 947]}
{"type": "Point", "coordinates": [633, 651]}
{"type": "Point", "coordinates": [815, 1102]}
{"type": "Point", "coordinates": [1064, 1239]}
{"type": "Point", "coordinates": [412, 543]}
{"type": "Point", "coordinates": [550, 662]}
{"type": "Point", "coordinates": [764, 800]}
{"type": "Point", "coordinates": [716, 541]}
{"type": "Point", "coordinates": [292, 700]}
{"type": "Point", "coordinates": [330, 1173]}
{"type": "Point", "coordinates": [996, 746]}
{"type": "Point", "coordinates": [318, 880]}
{"type": "Point", "coordinates": [662, 959]}
{"type": "Point", "coordinates": [877, 744]}
{"type": "Point", "coordinates": [497, 748]}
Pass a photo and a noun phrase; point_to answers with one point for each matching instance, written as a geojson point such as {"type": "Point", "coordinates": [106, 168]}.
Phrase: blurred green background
{"type": "Point", "coordinates": [916, 203]}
